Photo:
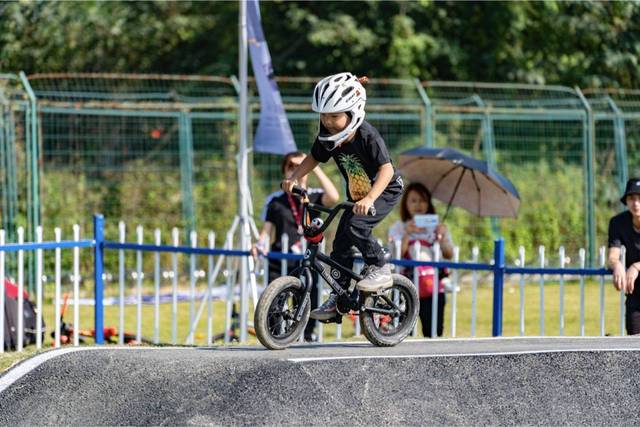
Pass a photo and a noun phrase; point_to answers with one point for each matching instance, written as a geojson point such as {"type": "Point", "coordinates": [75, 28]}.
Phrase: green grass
{"type": "Point", "coordinates": [511, 312]}
{"type": "Point", "coordinates": [463, 319]}
{"type": "Point", "coordinates": [7, 360]}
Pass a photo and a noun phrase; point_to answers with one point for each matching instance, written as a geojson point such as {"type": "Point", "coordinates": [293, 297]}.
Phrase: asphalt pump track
{"type": "Point", "coordinates": [501, 381]}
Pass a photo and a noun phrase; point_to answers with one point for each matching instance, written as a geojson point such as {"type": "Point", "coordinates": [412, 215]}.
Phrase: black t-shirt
{"type": "Point", "coordinates": [359, 161]}
{"type": "Point", "coordinates": [277, 210]}
{"type": "Point", "coordinates": [622, 233]}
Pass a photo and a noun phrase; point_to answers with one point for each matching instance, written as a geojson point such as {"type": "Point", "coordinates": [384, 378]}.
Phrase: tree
{"type": "Point", "coordinates": [569, 43]}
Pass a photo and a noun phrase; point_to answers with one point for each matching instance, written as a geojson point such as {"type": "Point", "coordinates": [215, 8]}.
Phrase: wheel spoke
{"type": "Point", "coordinates": [395, 299]}
{"type": "Point", "coordinates": [280, 315]}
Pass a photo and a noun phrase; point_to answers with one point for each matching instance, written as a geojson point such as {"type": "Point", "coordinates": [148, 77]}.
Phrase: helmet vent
{"type": "Point", "coordinates": [324, 89]}
{"type": "Point", "coordinates": [332, 93]}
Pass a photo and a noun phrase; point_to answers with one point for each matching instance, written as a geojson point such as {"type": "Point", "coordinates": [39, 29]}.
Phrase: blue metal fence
{"type": "Point", "coordinates": [497, 267]}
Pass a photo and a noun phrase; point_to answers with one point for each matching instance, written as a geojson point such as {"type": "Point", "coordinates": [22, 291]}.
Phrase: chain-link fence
{"type": "Point", "coordinates": [536, 136]}
{"type": "Point", "coordinates": [12, 139]}
{"type": "Point", "coordinates": [152, 150]}
{"type": "Point", "coordinates": [616, 114]}
{"type": "Point", "coordinates": [160, 150]}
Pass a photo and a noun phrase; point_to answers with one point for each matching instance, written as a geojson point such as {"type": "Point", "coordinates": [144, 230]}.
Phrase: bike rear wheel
{"type": "Point", "coordinates": [274, 320]}
{"type": "Point", "coordinates": [385, 330]}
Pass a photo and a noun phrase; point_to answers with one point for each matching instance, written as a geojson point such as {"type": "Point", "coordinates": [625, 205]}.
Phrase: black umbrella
{"type": "Point", "coordinates": [461, 181]}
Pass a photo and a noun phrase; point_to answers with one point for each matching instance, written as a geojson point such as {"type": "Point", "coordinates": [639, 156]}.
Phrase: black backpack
{"type": "Point", "coordinates": [11, 318]}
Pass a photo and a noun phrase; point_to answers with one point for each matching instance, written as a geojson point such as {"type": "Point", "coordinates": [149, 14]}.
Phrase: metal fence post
{"type": "Point", "coordinates": [10, 180]}
{"type": "Point", "coordinates": [619, 139]}
{"type": "Point", "coordinates": [498, 284]}
{"type": "Point", "coordinates": [2, 291]}
{"type": "Point", "coordinates": [428, 125]}
{"type": "Point", "coordinates": [33, 173]}
{"type": "Point", "coordinates": [185, 140]}
{"type": "Point", "coordinates": [488, 147]}
{"type": "Point", "coordinates": [98, 259]}
{"type": "Point", "coordinates": [588, 137]}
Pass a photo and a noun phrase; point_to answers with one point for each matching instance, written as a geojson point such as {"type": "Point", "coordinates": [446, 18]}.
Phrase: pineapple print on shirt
{"type": "Point", "coordinates": [358, 182]}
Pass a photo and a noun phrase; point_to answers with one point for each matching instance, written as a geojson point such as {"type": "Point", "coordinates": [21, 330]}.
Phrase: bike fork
{"type": "Point", "coordinates": [306, 272]}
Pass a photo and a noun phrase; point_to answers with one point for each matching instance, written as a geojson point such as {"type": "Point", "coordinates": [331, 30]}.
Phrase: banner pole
{"type": "Point", "coordinates": [242, 168]}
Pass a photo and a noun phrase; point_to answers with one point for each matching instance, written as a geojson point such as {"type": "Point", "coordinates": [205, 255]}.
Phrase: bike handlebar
{"type": "Point", "coordinates": [344, 205]}
{"type": "Point", "coordinates": [299, 191]}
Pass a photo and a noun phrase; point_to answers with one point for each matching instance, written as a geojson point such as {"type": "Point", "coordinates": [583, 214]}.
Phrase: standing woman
{"type": "Point", "coordinates": [417, 200]}
{"type": "Point", "coordinates": [282, 214]}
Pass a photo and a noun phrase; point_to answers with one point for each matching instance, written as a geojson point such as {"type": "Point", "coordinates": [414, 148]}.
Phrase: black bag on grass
{"type": "Point", "coordinates": [11, 318]}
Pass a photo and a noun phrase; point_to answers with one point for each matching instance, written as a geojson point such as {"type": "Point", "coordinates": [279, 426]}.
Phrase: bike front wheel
{"type": "Point", "coordinates": [275, 323]}
{"type": "Point", "coordinates": [379, 325]}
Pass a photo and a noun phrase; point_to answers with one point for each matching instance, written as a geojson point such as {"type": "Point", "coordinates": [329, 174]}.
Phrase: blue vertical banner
{"type": "Point", "coordinates": [274, 133]}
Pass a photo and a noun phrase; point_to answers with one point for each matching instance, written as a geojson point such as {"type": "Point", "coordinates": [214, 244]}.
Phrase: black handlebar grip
{"type": "Point", "coordinates": [298, 190]}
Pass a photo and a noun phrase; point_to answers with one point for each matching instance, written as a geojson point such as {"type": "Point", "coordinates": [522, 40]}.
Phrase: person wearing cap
{"type": "Point", "coordinates": [624, 230]}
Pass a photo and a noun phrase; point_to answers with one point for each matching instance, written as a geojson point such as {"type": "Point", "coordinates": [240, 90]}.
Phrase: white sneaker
{"type": "Point", "coordinates": [376, 279]}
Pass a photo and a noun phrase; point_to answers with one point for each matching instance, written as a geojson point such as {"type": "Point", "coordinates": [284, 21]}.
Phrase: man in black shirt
{"type": "Point", "coordinates": [282, 215]}
{"type": "Point", "coordinates": [624, 230]}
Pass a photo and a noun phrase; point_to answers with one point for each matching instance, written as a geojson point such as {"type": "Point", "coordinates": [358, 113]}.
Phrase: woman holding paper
{"type": "Point", "coordinates": [417, 232]}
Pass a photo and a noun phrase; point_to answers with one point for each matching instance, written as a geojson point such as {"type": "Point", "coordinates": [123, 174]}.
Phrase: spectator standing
{"type": "Point", "coordinates": [624, 230]}
{"type": "Point", "coordinates": [282, 214]}
{"type": "Point", "coordinates": [417, 200]}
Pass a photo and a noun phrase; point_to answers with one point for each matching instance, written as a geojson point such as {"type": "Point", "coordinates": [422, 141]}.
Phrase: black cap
{"type": "Point", "coordinates": [633, 187]}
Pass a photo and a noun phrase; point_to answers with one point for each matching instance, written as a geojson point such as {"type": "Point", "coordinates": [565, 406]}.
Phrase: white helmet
{"type": "Point", "coordinates": [339, 93]}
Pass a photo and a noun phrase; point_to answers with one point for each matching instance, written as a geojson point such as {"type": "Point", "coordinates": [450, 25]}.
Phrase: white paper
{"type": "Point", "coordinates": [428, 221]}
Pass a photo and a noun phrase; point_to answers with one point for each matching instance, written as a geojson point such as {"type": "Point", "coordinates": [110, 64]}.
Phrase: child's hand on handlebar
{"type": "Point", "coordinates": [362, 206]}
{"type": "Point", "coordinates": [288, 184]}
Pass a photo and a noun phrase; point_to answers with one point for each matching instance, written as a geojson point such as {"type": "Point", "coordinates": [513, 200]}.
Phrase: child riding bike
{"type": "Point", "coordinates": [370, 178]}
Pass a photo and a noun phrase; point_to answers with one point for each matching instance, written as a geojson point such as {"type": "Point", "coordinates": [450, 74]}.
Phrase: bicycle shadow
{"type": "Point", "coordinates": [299, 346]}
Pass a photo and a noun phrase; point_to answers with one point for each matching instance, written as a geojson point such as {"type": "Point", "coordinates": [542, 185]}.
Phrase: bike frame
{"type": "Point", "coordinates": [312, 256]}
